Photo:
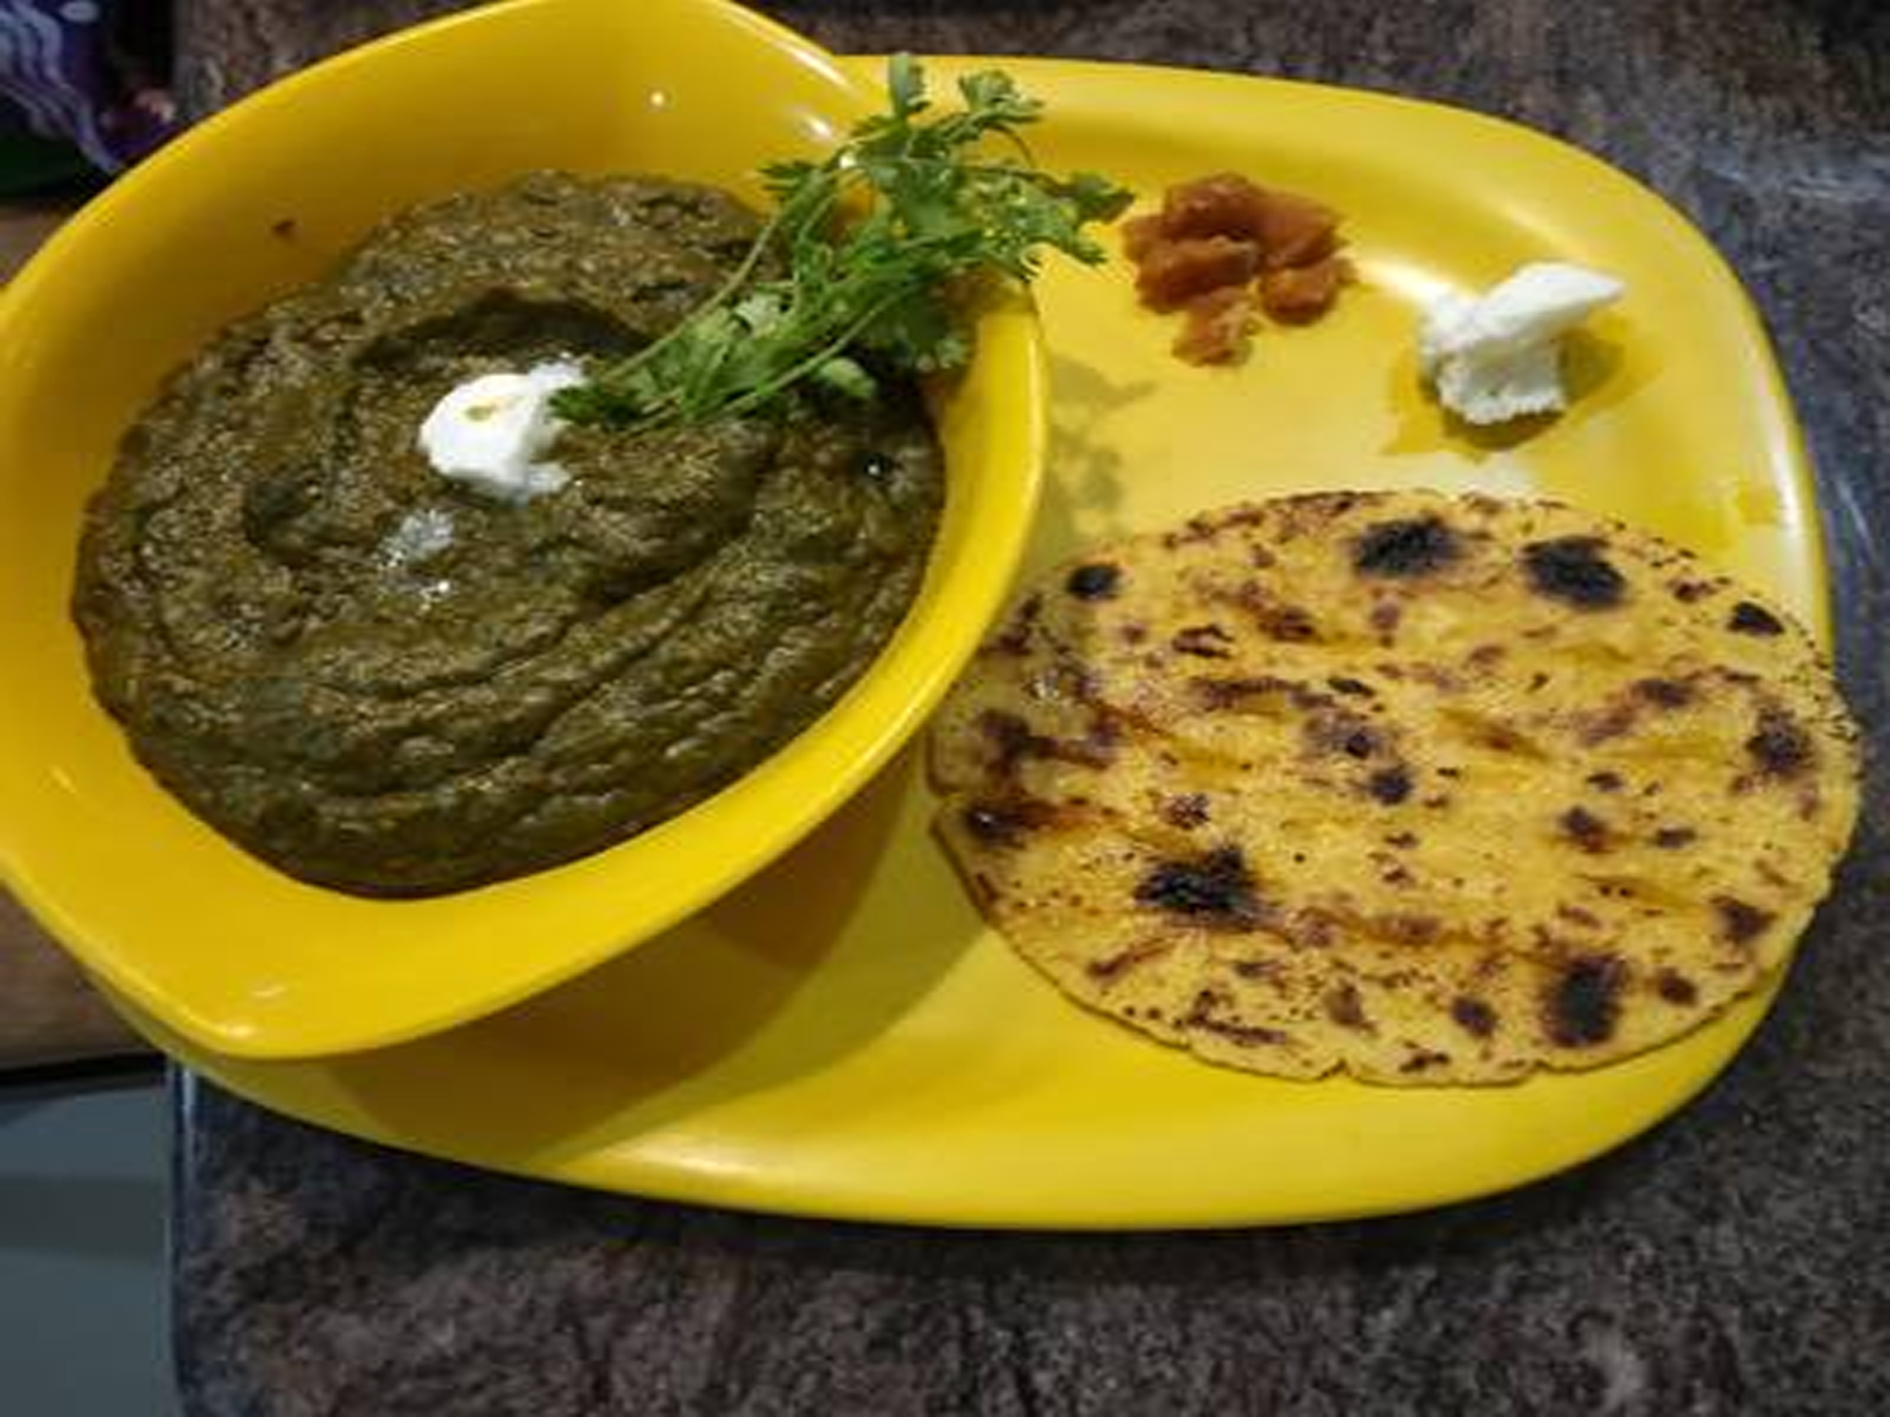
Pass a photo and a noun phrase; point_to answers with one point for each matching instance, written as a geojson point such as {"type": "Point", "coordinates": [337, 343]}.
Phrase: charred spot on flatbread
{"type": "Point", "coordinates": [1215, 890]}
{"type": "Point", "coordinates": [1407, 548]}
{"type": "Point", "coordinates": [1585, 829]}
{"type": "Point", "coordinates": [1583, 1003]}
{"type": "Point", "coordinates": [1750, 618]}
{"type": "Point", "coordinates": [1094, 580]}
{"type": "Point", "coordinates": [1740, 922]}
{"type": "Point", "coordinates": [1473, 1016]}
{"type": "Point", "coordinates": [1187, 811]}
{"type": "Point", "coordinates": [1345, 1007]}
{"type": "Point", "coordinates": [1664, 693]}
{"type": "Point", "coordinates": [1572, 569]}
{"type": "Point", "coordinates": [1779, 744]}
{"type": "Point", "coordinates": [1391, 785]}
{"type": "Point", "coordinates": [1209, 641]}
{"type": "Point", "coordinates": [1675, 988]}
{"type": "Point", "coordinates": [1017, 636]}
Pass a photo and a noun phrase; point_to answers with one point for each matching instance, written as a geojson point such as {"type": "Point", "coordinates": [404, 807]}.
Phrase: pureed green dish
{"type": "Point", "coordinates": [382, 682]}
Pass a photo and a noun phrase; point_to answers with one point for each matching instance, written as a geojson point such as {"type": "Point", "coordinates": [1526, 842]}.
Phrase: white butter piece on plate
{"type": "Point", "coordinates": [491, 432]}
{"type": "Point", "coordinates": [1498, 356]}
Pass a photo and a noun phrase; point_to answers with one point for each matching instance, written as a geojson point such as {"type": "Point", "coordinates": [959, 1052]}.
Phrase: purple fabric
{"type": "Point", "coordinates": [68, 72]}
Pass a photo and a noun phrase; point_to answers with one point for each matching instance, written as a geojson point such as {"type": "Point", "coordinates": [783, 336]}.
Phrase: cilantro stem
{"type": "Point", "coordinates": [619, 371]}
{"type": "Point", "coordinates": [808, 365]}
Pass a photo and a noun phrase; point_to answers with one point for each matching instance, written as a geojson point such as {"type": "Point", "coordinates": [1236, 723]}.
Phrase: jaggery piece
{"type": "Point", "coordinates": [1298, 295]}
{"type": "Point", "coordinates": [1141, 234]}
{"type": "Point", "coordinates": [1218, 327]}
{"type": "Point", "coordinates": [1175, 272]}
{"type": "Point", "coordinates": [1291, 230]}
{"type": "Point", "coordinates": [1296, 231]}
{"type": "Point", "coordinates": [1223, 204]}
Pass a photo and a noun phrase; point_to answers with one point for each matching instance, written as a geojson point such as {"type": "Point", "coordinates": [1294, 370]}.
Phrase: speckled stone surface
{"type": "Point", "coordinates": [1735, 1261]}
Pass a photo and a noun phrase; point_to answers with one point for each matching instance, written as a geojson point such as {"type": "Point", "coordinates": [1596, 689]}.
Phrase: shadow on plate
{"type": "Point", "coordinates": [1083, 492]}
{"type": "Point", "coordinates": [693, 1019]}
{"type": "Point", "coordinates": [1593, 370]}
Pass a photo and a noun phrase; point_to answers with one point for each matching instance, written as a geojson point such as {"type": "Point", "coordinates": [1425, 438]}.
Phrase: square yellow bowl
{"type": "Point", "coordinates": [202, 938]}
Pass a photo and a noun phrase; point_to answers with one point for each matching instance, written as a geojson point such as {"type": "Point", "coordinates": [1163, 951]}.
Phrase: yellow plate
{"type": "Point", "coordinates": [842, 1037]}
{"type": "Point", "coordinates": [221, 948]}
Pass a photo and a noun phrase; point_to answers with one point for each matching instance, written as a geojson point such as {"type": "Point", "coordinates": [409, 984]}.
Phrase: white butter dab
{"type": "Point", "coordinates": [491, 432]}
{"type": "Point", "coordinates": [1498, 356]}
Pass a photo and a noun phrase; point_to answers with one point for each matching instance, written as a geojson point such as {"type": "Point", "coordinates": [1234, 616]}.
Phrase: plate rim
{"type": "Point", "coordinates": [1731, 1030]}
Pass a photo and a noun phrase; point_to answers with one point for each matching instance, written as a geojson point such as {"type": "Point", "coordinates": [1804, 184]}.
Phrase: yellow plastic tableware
{"type": "Point", "coordinates": [227, 952]}
{"type": "Point", "coordinates": [842, 1036]}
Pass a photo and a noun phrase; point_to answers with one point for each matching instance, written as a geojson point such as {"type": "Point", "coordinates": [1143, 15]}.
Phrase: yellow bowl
{"type": "Point", "coordinates": [224, 950]}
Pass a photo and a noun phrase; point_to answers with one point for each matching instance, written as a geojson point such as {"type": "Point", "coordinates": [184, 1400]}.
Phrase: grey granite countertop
{"type": "Point", "coordinates": [1737, 1260]}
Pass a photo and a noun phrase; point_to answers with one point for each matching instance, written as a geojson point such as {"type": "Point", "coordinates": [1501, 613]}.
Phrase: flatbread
{"type": "Point", "coordinates": [1429, 789]}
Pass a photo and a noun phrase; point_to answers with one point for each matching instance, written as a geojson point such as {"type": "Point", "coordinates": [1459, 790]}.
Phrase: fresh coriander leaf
{"type": "Point", "coordinates": [905, 85]}
{"type": "Point", "coordinates": [857, 267]}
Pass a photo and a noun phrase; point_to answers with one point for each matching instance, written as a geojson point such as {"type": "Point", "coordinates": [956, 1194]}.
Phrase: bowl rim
{"type": "Point", "coordinates": [877, 715]}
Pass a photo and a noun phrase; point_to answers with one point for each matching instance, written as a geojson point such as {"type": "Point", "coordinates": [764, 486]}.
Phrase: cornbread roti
{"type": "Point", "coordinates": [1429, 789]}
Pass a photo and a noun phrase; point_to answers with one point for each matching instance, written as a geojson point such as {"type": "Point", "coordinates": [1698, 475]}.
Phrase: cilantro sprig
{"type": "Point", "coordinates": [873, 246]}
